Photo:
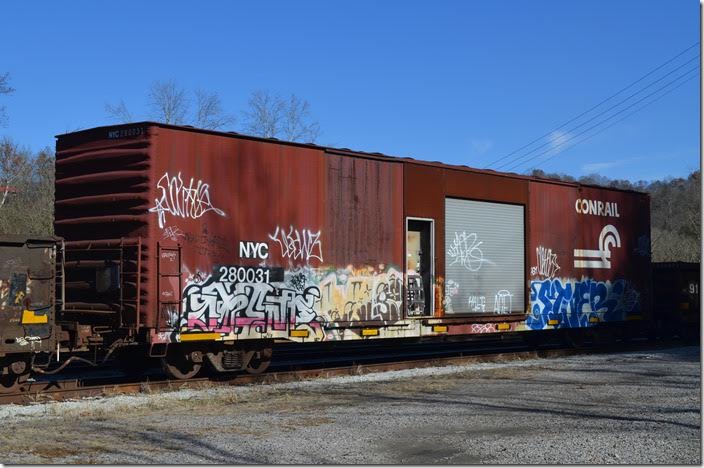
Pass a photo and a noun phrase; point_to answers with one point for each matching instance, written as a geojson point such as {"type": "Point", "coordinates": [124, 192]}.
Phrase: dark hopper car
{"type": "Point", "coordinates": [677, 307]}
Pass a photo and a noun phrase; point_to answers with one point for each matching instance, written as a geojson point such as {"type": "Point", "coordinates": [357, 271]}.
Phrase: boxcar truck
{"type": "Point", "coordinates": [198, 246]}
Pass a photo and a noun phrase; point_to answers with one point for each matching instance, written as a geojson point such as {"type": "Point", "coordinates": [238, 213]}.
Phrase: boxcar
{"type": "Point", "coordinates": [211, 246]}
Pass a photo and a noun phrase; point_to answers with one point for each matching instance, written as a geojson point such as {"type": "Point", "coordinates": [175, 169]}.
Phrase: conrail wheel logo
{"type": "Point", "coordinates": [599, 258]}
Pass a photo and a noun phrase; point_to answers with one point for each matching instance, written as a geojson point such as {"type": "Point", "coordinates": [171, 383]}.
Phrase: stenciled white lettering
{"type": "Point", "coordinates": [596, 207]}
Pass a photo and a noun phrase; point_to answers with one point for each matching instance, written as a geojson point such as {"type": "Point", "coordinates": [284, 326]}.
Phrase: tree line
{"type": "Point", "coordinates": [27, 179]}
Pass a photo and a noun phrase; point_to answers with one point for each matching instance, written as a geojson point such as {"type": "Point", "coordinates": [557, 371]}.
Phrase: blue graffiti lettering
{"type": "Point", "coordinates": [573, 303]}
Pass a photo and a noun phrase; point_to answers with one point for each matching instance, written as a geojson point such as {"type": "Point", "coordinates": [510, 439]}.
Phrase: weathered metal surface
{"type": "Point", "coordinates": [27, 281]}
{"type": "Point", "coordinates": [242, 237]}
{"type": "Point", "coordinates": [102, 188]}
{"type": "Point", "coordinates": [589, 255]}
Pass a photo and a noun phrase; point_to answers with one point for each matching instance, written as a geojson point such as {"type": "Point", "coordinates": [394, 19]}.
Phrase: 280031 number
{"type": "Point", "coordinates": [241, 274]}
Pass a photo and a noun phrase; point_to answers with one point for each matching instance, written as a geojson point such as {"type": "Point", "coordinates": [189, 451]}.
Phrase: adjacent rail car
{"type": "Point", "coordinates": [677, 306]}
{"type": "Point", "coordinates": [203, 246]}
{"type": "Point", "coordinates": [27, 305]}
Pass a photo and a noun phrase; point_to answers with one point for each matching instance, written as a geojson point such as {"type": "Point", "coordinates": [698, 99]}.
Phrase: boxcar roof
{"type": "Point", "coordinates": [352, 153]}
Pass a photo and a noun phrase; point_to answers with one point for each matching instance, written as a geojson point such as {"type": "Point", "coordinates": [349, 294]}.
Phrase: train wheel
{"type": "Point", "coordinates": [180, 364]}
{"type": "Point", "coordinates": [260, 361]}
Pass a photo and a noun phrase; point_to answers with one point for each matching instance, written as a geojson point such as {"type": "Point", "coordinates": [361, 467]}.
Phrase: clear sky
{"type": "Point", "coordinates": [463, 82]}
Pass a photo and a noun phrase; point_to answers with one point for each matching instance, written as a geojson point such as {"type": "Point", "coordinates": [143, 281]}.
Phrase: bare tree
{"type": "Point", "coordinates": [168, 102]}
{"type": "Point", "coordinates": [263, 115]}
{"type": "Point", "coordinates": [26, 190]}
{"type": "Point", "coordinates": [209, 112]}
{"type": "Point", "coordinates": [14, 168]}
{"type": "Point", "coordinates": [270, 116]}
{"type": "Point", "coordinates": [297, 123]}
{"type": "Point", "coordinates": [5, 88]}
{"type": "Point", "coordinates": [119, 112]}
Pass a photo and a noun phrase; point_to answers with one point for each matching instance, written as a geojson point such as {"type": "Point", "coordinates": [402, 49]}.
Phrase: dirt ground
{"type": "Point", "coordinates": [634, 408]}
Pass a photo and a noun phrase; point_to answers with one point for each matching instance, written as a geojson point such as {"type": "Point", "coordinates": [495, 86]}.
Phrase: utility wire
{"type": "Point", "coordinates": [600, 113]}
{"type": "Point", "coordinates": [608, 118]}
{"type": "Point", "coordinates": [599, 104]}
{"type": "Point", "coordinates": [614, 123]}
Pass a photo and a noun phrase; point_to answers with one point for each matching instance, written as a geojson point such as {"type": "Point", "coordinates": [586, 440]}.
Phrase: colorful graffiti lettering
{"type": "Point", "coordinates": [181, 200]}
{"type": "Point", "coordinates": [364, 295]}
{"type": "Point", "coordinates": [573, 303]}
{"type": "Point", "coordinates": [225, 307]}
{"type": "Point", "coordinates": [306, 297]}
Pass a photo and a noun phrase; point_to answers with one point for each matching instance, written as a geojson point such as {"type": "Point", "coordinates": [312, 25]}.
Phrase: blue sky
{"type": "Point", "coordinates": [463, 82]}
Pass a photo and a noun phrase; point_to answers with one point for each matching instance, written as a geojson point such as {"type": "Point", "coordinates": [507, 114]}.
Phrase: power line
{"type": "Point", "coordinates": [599, 104]}
{"type": "Point", "coordinates": [614, 123]}
{"type": "Point", "coordinates": [600, 113]}
{"type": "Point", "coordinates": [607, 119]}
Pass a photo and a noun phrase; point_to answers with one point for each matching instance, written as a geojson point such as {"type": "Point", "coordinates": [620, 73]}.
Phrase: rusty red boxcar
{"type": "Point", "coordinates": [211, 246]}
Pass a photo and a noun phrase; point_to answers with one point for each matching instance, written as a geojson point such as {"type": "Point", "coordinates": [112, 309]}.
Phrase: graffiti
{"type": "Point", "coordinates": [207, 244]}
{"type": "Point", "coordinates": [477, 303]}
{"type": "Point", "coordinates": [11, 263]}
{"type": "Point", "coordinates": [502, 302]}
{"type": "Point", "coordinates": [547, 265]}
{"type": "Point", "coordinates": [573, 302]}
{"type": "Point", "coordinates": [451, 289]}
{"type": "Point", "coordinates": [483, 328]}
{"type": "Point", "coordinates": [608, 237]}
{"type": "Point", "coordinates": [415, 294]}
{"type": "Point", "coordinates": [4, 292]}
{"type": "Point", "coordinates": [184, 201]}
{"type": "Point", "coordinates": [173, 233]}
{"type": "Point", "coordinates": [365, 295]}
{"type": "Point", "coordinates": [298, 244]}
{"type": "Point", "coordinates": [465, 251]}
{"type": "Point", "coordinates": [225, 307]}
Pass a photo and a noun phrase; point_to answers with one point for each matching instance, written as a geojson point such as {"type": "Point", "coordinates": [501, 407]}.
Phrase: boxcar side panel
{"type": "Point", "coordinates": [276, 241]}
{"type": "Point", "coordinates": [589, 260]}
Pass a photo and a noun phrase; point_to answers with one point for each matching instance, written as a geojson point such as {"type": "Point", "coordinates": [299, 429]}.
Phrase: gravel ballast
{"type": "Point", "coordinates": [632, 408]}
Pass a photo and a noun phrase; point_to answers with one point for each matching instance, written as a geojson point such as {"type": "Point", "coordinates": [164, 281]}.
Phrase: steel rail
{"type": "Point", "coordinates": [61, 390]}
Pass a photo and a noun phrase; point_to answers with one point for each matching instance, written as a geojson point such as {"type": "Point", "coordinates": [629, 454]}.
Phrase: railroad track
{"type": "Point", "coordinates": [330, 366]}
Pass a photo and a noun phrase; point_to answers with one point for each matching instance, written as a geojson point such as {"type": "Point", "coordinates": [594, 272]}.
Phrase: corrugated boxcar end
{"type": "Point", "coordinates": [102, 198]}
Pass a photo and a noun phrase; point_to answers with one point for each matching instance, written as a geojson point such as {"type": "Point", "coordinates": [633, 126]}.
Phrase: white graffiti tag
{"type": "Point", "coordinates": [502, 302]}
{"type": "Point", "coordinates": [298, 244]}
{"type": "Point", "coordinates": [465, 251]}
{"type": "Point", "coordinates": [477, 303]}
{"type": "Point", "coordinates": [547, 263]}
{"type": "Point", "coordinates": [173, 233]}
{"type": "Point", "coordinates": [185, 201]}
